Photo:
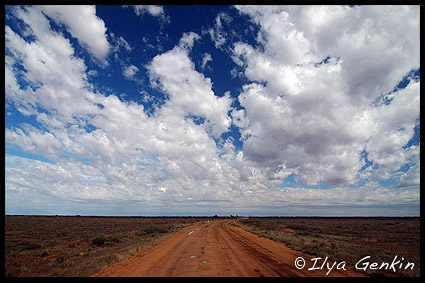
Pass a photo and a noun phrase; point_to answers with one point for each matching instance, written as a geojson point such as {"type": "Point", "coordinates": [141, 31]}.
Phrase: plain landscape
{"type": "Point", "coordinates": [347, 239]}
{"type": "Point", "coordinates": [83, 246]}
{"type": "Point", "coordinates": [79, 246]}
{"type": "Point", "coordinates": [153, 140]}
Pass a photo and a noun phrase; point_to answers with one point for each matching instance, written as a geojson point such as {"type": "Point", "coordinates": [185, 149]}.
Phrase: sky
{"type": "Point", "coordinates": [212, 110]}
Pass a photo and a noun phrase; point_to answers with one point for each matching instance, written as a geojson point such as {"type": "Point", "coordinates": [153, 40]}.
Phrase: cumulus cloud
{"type": "Point", "coordinates": [83, 24]}
{"type": "Point", "coordinates": [314, 81]}
{"type": "Point", "coordinates": [190, 92]}
{"type": "Point", "coordinates": [115, 151]}
{"type": "Point", "coordinates": [310, 109]}
{"type": "Point", "coordinates": [50, 67]}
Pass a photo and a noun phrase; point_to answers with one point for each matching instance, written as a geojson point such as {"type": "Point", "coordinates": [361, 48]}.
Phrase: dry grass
{"type": "Point", "coordinates": [80, 246]}
{"type": "Point", "coordinates": [346, 239]}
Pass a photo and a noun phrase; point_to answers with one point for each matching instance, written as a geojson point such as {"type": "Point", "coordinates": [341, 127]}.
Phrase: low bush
{"type": "Point", "coordinates": [154, 229]}
{"type": "Point", "coordinates": [98, 241]}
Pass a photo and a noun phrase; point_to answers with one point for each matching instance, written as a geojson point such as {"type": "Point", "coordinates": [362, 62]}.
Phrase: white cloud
{"type": "Point", "coordinates": [315, 115]}
{"type": "Point", "coordinates": [130, 156]}
{"type": "Point", "coordinates": [130, 71]}
{"type": "Point", "coordinates": [301, 115]}
{"type": "Point", "coordinates": [42, 187]}
{"type": "Point", "coordinates": [83, 24]}
{"type": "Point", "coordinates": [51, 70]}
{"type": "Point", "coordinates": [153, 10]}
{"type": "Point", "coordinates": [218, 34]}
{"type": "Point", "coordinates": [356, 35]}
{"type": "Point", "coordinates": [190, 92]}
{"type": "Point", "coordinates": [35, 141]}
{"type": "Point", "coordinates": [411, 177]}
{"type": "Point", "coordinates": [188, 39]}
{"type": "Point", "coordinates": [205, 59]}
{"type": "Point", "coordinates": [119, 42]}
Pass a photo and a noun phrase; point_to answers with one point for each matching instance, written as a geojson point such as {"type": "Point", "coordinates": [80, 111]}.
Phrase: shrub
{"type": "Point", "coordinates": [152, 229]}
{"type": "Point", "coordinates": [60, 260]}
{"type": "Point", "coordinates": [115, 240]}
{"type": "Point", "coordinates": [98, 241]}
{"type": "Point", "coordinates": [32, 246]}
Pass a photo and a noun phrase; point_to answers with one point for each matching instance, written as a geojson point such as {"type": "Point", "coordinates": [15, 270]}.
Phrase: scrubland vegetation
{"type": "Point", "coordinates": [80, 246]}
{"type": "Point", "coordinates": [346, 239]}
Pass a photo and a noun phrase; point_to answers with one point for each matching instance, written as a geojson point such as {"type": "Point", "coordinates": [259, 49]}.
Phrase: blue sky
{"type": "Point", "coordinates": [204, 110]}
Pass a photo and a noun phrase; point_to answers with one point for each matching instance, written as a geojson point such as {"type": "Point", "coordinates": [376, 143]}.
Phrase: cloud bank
{"type": "Point", "coordinates": [320, 106]}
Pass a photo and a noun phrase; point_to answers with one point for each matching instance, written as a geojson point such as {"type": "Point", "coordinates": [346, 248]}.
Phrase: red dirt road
{"type": "Point", "coordinates": [218, 248]}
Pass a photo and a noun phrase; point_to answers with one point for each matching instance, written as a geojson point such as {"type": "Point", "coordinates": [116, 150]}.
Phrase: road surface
{"type": "Point", "coordinates": [217, 248]}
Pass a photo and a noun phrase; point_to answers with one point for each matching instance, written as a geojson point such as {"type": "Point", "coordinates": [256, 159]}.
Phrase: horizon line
{"type": "Point", "coordinates": [216, 216]}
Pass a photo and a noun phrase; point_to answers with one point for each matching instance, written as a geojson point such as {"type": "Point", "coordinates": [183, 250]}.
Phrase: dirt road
{"type": "Point", "coordinates": [218, 248]}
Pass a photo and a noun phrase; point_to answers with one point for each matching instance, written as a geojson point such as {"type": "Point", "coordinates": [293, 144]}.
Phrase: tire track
{"type": "Point", "coordinates": [212, 249]}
